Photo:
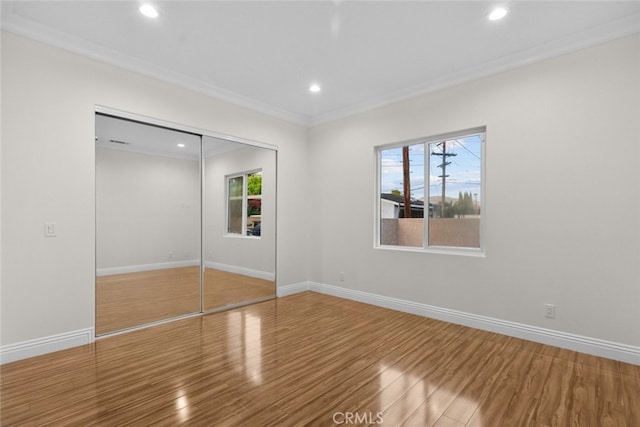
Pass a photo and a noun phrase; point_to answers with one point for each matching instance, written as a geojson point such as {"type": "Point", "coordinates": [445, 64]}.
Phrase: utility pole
{"type": "Point", "coordinates": [406, 182]}
{"type": "Point", "coordinates": [444, 175]}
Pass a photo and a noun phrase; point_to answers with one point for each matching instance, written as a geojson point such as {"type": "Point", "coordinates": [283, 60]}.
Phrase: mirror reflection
{"type": "Point", "coordinates": [147, 223]}
{"type": "Point", "coordinates": [239, 223]}
{"type": "Point", "coordinates": [158, 206]}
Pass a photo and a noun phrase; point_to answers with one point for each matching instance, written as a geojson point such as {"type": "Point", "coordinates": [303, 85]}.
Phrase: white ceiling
{"type": "Point", "coordinates": [265, 54]}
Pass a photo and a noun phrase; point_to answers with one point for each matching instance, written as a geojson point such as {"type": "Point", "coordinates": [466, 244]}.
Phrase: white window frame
{"type": "Point", "coordinates": [245, 202]}
{"type": "Point", "coordinates": [449, 250]}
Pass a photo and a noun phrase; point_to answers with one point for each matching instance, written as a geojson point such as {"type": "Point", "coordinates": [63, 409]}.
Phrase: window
{"type": "Point", "coordinates": [431, 193]}
{"type": "Point", "coordinates": [244, 203]}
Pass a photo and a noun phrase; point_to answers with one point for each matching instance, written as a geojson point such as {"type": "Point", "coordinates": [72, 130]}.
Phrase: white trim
{"type": "Point", "coordinates": [438, 250]}
{"type": "Point", "coordinates": [619, 28]}
{"type": "Point", "coordinates": [108, 111]}
{"type": "Point", "coordinates": [108, 271]}
{"type": "Point", "coordinates": [597, 347]}
{"type": "Point", "coordinates": [265, 275]}
{"type": "Point", "coordinates": [36, 347]}
{"type": "Point", "coordinates": [238, 305]}
{"type": "Point", "coordinates": [188, 263]}
{"type": "Point", "coordinates": [480, 251]}
{"type": "Point", "coordinates": [572, 43]}
{"type": "Point", "coordinates": [147, 325]}
{"type": "Point", "coordinates": [295, 288]}
{"type": "Point", "coordinates": [26, 28]}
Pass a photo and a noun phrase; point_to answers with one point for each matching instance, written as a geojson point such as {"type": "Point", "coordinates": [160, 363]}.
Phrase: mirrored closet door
{"type": "Point", "coordinates": [239, 223]}
{"type": "Point", "coordinates": [163, 197]}
{"type": "Point", "coordinates": [147, 224]}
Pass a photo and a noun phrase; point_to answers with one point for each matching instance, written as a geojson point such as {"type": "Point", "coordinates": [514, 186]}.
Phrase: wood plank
{"type": "Point", "coordinates": [300, 360]}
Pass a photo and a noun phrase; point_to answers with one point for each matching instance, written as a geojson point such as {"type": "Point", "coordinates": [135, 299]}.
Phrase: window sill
{"type": "Point", "coordinates": [471, 252]}
{"type": "Point", "coordinates": [240, 236]}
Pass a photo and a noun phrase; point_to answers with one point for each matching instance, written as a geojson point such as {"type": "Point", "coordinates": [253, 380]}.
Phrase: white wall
{"type": "Point", "coordinates": [256, 254]}
{"type": "Point", "coordinates": [147, 209]}
{"type": "Point", "coordinates": [563, 206]}
{"type": "Point", "coordinates": [563, 162]}
{"type": "Point", "coordinates": [49, 97]}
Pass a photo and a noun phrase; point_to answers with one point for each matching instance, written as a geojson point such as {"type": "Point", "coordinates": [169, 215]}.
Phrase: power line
{"type": "Point", "coordinates": [444, 175]}
{"type": "Point", "coordinates": [470, 152]}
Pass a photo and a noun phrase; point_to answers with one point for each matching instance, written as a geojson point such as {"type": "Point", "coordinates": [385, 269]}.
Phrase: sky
{"type": "Point", "coordinates": [464, 171]}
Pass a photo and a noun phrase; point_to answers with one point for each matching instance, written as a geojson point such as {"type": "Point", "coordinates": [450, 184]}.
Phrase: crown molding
{"type": "Point", "coordinates": [593, 36]}
{"type": "Point", "coordinates": [574, 42]}
{"type": "Point", "coordinates": [22, 27]}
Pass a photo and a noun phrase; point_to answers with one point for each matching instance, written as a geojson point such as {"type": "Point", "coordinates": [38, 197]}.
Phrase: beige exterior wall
{"type": "Point", "coordinates": [458, 232]}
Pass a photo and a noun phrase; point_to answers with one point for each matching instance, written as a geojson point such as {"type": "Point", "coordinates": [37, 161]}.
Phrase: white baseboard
{"type": "Point", "coordinates": [146, 267]}
{"type": "Point", "coordinates": [283, 291]}
{"type": "Point", "coordinates": [597, 347]}
{"type": "Point", "coordinates": [265, 275]}
{"type": "Point", "coordinates": [36, 347]}
{"type": "Point", "coordinates": [594, 346]}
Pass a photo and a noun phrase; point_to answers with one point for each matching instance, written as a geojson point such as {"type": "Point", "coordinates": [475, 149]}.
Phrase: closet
{"type": "Point", "coordinates": [185, 221]}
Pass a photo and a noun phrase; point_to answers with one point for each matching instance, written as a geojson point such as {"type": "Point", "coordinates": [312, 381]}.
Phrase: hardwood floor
{"type": "Point", "coordinates": [126, 300]}
{"type": "Point", "coordinates": [312, 359]}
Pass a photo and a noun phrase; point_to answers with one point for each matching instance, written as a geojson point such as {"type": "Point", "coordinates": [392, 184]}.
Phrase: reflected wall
{"type": "Point", "coordinates": [147, 224]}
{"type": "Point", "coordinates": [239, 210]}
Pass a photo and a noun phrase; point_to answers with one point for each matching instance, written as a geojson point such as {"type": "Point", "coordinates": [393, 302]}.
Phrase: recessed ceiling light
{"type": "Point", "coordinates": [148, 11]}
{"type": "Point", "coordinates": [314, 88]}
{"type": "Point", "coordinates": [181, 145]}
{"type": "Point", "coordinates": [497, 14]}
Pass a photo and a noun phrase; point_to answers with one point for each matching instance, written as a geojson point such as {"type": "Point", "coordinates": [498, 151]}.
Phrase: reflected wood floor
{"type": "Point", "coordinates": [222, 288]}
{"type": "Point", "coordinates": [308, 359]}
{"type": "Point", "coordinates": [132, 299]}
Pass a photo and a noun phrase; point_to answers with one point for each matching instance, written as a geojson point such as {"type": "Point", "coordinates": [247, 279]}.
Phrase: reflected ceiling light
{"type": "Point", "coordinates": [181, 145]}
{"type": "Point", "coordinates": [314, 88]}
{"type": "Point", "coordinates": [148, 11]}
{"type": "Point", "coordinates": [497, 14]}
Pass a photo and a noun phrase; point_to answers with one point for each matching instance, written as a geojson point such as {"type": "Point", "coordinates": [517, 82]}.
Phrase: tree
{"type": "Point", "coordinates": [467, 203]}
{"type": "Point", "coordinates": [254, 184]}
{"type": "Point", "coordinates": [464, 205]}
{"type": "Point", "coordinates": [450, 210]}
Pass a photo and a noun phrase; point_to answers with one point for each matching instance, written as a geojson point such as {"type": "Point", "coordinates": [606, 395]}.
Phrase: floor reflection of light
{"type": "Point", "coordinates": [244, 339]}
{"type": "Point", "coordinates": [253, 348]}
{"type": "Point", "coordinates": [234, 334]}
{"type": "Point", "coordinates": [399, 387]}
{"type": "Point", "coordinates": [404, 393]}
{"type": "Point", "coordinates": [182, 406]}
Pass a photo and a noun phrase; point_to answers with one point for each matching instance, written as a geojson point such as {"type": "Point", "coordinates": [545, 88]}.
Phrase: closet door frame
{"type": "Point", "coordinates": [147, 120]}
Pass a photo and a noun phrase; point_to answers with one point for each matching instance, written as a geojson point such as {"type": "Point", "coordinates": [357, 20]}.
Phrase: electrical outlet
{"type": "Point", "coordinates": [342, 276]}
{"type": "Point", "coordinates": [50, 229]}
{"type": "Point", "coordinates": [550, 311]}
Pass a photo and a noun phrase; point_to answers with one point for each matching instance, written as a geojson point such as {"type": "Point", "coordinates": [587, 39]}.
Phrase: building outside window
{"type": "Point", "coordinates": [431, 193]}
{"type": "Point", "coordinates": [244, 203]}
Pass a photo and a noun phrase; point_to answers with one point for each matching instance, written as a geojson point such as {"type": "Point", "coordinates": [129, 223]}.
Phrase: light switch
{"type": "Point", "coordinates": [50, 229]}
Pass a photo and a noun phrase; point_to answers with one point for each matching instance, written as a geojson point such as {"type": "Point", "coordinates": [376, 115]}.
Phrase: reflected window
{"type": "Point", "coordinates": [244, 203]}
